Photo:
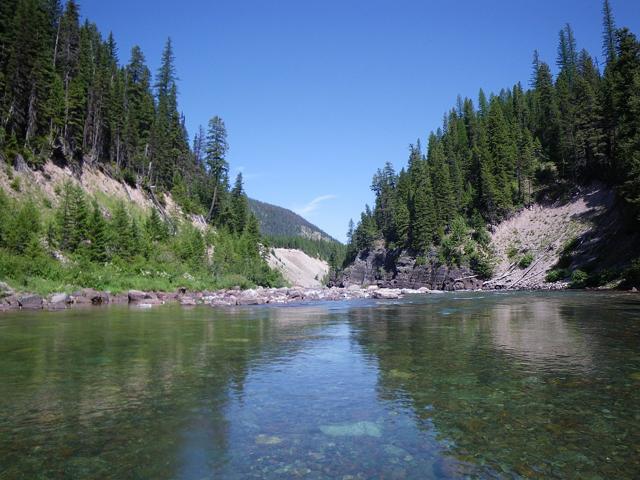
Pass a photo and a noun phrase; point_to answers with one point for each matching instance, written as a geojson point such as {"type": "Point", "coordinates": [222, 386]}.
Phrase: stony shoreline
{"type": "Point", "coordinates": [221, 298]}
{"type": "Point", "coordinates": [87, 297]}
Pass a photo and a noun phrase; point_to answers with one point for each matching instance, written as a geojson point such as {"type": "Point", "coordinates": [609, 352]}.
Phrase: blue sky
{"type": "Point", "coordinates": [317, 95]}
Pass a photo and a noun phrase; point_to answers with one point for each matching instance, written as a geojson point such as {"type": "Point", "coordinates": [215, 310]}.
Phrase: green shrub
{"type": "Point", "coordinates": [556, 274]}
{"type": "Point", "coordinates": [421, 260]}
{"type": "Point", "coordinates": [15, 184]}
{"type": "Point", "coordinates": [512, 252]}
{"type": "Point", "coordinates": [482, 264]}
{"type": "Point", "coordinates": [632, 274]}
{"type": "Point", "coordinates": [129, 178]}
{"type": "Point", "coordinates": [526, 260]}
{"type": "Point", "coordinates": [579, 279]}
{"type": "Point", "coordinates": [602, 277]}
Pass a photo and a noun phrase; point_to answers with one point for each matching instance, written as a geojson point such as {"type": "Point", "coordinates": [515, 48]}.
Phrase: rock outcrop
{"type": "Point", "coordinates": [30, 302]}
{"type": "Point", "coordinates": [397, 269]}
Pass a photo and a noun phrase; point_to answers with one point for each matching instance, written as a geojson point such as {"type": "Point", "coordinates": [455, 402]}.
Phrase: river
{"type": "Point", "coordinates": [455, 385]}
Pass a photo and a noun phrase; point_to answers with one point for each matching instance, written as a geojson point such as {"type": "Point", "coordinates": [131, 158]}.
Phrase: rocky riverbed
{"type": "Point", "coordinates": [10, 300]}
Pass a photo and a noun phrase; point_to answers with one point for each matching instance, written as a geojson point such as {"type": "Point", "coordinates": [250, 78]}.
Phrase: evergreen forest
{"type": "Point", "coordinates": [499, 152]}
{"type": "Point", "coordinates": [68, 94]}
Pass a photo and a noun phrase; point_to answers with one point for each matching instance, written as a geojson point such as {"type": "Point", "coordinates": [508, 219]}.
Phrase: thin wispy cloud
{"type": "Point", "coordinates": [313, 205]}
{"type": "Point", "coordinates": [245, 175]}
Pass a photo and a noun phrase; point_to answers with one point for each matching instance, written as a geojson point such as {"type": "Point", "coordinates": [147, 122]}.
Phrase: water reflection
{"type": "Point", "coordinates": [433, 387]}
{"type": "Point", "coordinates": [532, 386]}
{"type": "Point", "coordinates": [540, 333]}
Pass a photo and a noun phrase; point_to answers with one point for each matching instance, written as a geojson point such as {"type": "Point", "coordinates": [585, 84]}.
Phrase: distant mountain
{"type": "Point", "coordinates": [281, 222]}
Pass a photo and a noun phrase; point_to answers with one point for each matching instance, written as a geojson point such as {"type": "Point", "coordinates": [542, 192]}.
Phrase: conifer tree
{"type": "Point", "coordinates": [121, 233]}
{"type": "Point", "coordinates": [23, 228]}
{"type": "Point", "coordinates": [609, 33]}
{"type": "Point", "coordinates": [239, 206]}
{"type": "Point", "coordinates": [216, 151]}
{"type": "Point", "coordinates": [72, 217]}
{"type": "Point", "coordinates": [155, 227]}
{"type": "Point", "coordinates": [98, 235]}
{"type": "Point", "coordinates": [423, 216]}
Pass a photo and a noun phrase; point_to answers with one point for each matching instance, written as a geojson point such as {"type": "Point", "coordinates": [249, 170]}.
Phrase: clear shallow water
{"type": "Point", "coordinates": [521, 385]}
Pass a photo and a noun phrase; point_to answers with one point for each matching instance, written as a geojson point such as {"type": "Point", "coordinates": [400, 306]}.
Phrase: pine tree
{"type": "Point", "coordinates": [503, 150]}
{"type": "Point", "coordinates": [239, 206]}
{"type": "Point", "coordinates": [350, 230]}
{"type": "Point", "coordinates": [167, 140]}
{"type": "Point", "coordinates": [625, 74]}
{"type": "Point", "coordinates": [121, 233]}
{"type": "Point", "coordinates": [23, 228]}
{"type": "Point", "coordinates": [216, 151]}
{"type": "Point", "coordinates": [423, 216]}
{"type": "Point", "coordinates": [444, 199]}
{"type": "Point", "coordinates": [590, 145]}
{"type": "Point", "coordinates": [27, 74]}
{"type": "Point", "coordinates": [547, 123]}
{"type": "Point", "coordinates": [98, 235]}
{"type": "Point", "coordinates": [609, 33]}
{"type": "Point", "coordinates": [155, 227]}
{"type": "Point", "coordinates": [72, 217]}
{"type": "Point", "coordinates": [483, 104]}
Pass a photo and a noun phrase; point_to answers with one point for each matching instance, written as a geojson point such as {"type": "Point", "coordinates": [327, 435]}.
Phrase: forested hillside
{"type": "Point", "coordinates": [277, 221]}
{"type": "Point", "coordinates": [68, 96]}
{"type": "Point", "coordinates": [286, 229]}
{"type": "Point", "coordinates": [493, 155]}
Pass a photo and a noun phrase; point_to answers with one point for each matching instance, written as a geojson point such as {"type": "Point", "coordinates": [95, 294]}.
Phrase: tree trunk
{"type": "Point", "coordinates": [213, 202]}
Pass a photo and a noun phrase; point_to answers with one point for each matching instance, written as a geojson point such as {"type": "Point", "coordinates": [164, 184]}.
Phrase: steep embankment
{"type": "Point", "coordinates": [541, 246]}
{"type": "Point", "coordinates": [298, 268]}
{"type": "Point", "coordinates": [588, 231]}
{"type": "Point", "coordinates": [43, 186]}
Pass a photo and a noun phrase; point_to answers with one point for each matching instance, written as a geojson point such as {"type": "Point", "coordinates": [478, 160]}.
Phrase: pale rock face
{"type": "Point", "coordinates": [298, 268]}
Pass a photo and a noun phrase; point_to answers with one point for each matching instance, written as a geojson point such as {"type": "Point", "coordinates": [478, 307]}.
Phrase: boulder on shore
{"type": "Point", "coordinates": [250, 297]}
{"type": "Point", "coordinates": [59, 301]}
{"type": "Point", "coordinates": [187, 301]}
{"type": "Point", "coordinates": [30, 302]}
{"type": "Point", "coordinates": [89, 296]}
{"type": "Point", "coordinates": [386, 293]}
{"type": "Point", "coordinates": [149, 298]}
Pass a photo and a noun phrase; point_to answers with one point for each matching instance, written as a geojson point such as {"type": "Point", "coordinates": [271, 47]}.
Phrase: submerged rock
{"type": "Point", "coordinates": [356, 429]}
{"type": "Point", "coordinates": [268, 440]}
{"type": "Point", "coordinates": [400, 374]}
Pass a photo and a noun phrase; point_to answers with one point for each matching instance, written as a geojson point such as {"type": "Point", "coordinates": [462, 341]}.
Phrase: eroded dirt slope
{"type": "Point", "coordinates": [585, 228]}
{"type": "Point", "coordinates": [298, 268]}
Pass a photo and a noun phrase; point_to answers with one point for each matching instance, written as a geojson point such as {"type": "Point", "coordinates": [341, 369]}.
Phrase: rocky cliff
{"type": "Point", "coordinates": [589, 230]}
{"type": "Point", "coordinates": [397, 269]}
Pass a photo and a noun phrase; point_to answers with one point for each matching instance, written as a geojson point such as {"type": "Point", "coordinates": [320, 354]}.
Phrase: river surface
{"type": "Point", "coordinates": [456, 385]}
